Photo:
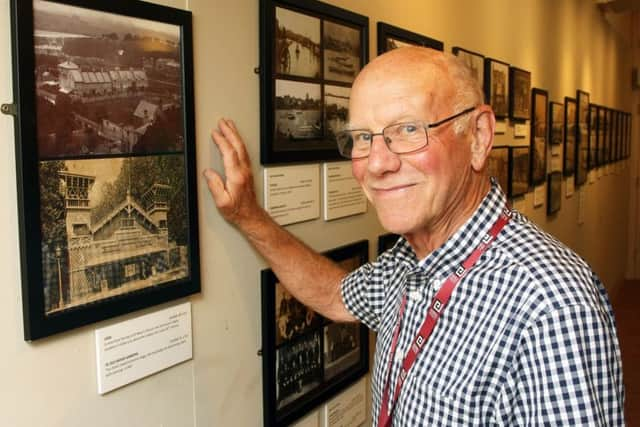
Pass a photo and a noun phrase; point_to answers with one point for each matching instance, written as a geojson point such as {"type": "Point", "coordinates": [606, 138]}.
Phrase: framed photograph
{"type": "Point", "coordinates": [474, 61]}
{"type": "Point", "coordinates": [105, 154]}
{"type": "Point", "coordinates": [554, 192]}
{"type": "Point", "coordinates": [519, 94]}
{"type": "Point", "coordinates": [627, 139]}
{"type": "Point", "coordinates": [386, 242]}
{"type": "Point", "coordinates": [556, 123]}
{"type": "Point", "coordinates": [310, 53]}
{"type": "Point", "coordinates": [603, 125]}
{"type": "Point", "coordinates": [306, 358]}
{"type": "Point", "coordinates": [592, 137]}
{"type": "Point", "coordinates": [519, 165]}
{"type": "Point", "coordinates": [391, 37]}
{"type": "Point", "coordinates": [618, 138]}
{"type": "Point", "coordinates": [498, 166]}
{"type": "Point", "coordinates": [569, 158]}
{"type": "Point", "coordinates": [496, 86]}
{"type": "Point", "coordinates": [608, 149]}
{"type": "Point", "coordinates": [582, 136]}
{"type": "Point", "coordinates": [539, 132]}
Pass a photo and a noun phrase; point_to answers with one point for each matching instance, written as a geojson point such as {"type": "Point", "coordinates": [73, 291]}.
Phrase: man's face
{"type": "Point", "coordinates": [412, 193]}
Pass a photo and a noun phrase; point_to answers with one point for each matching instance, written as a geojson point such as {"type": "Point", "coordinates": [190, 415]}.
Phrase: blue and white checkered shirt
{"type": "Point", "coordinates": [528, 337]}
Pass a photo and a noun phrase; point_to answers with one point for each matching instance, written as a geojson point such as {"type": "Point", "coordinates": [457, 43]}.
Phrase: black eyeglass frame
{"type": "Point", "coordinates": [426, 126]}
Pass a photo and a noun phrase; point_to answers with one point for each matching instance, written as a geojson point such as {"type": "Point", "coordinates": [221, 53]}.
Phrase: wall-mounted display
{"type": "Point", "coordinates": [307, 358]}
{"type": "Point", "coordinates": [556, 123]}
{"type": "Point", "coordinates": [519, 165]}
{"type": "Point", "coordinates": [106, 159]}
{"type": "Point", "coordinates": [496, 86]}
{"type": "Point", "coordinates": [554, 192]}
{"type": "Point", "coordinates": [474, 61]}
{"type": "Point", "coordinates": [618, 137]}
{"type": "Point", "coordinates": [386, 242]}
{"type": "Point", "coordinates": [592, 137]}
{"type": "Point", "coordinates": [602, 136]}
{"type": "Point", "coordinates": [538, 134]}
{"type": "Point", "coordinates": [498, 166]}
{"type": "Point", "coordinates": [391, 37]}
{"type": "Point", "coordinates": [582, 137]}
{"type": "Point", "coordinates": [519, 93]}
{"type": "Point", "coordinates": [310, 53]}
{"type": "Point", "coordinates": [627, 142]}
{"type": "Point", "coordinates": [568, 163]}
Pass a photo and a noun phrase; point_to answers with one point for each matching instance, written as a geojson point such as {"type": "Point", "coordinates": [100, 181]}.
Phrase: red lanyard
{"type": "Point", "coordinates": [435, 311]}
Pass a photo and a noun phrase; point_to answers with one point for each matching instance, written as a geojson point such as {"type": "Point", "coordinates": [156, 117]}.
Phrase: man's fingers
{"type": "Point", "coordinates": [230, 159]}
{"type": "Point", "coordinates": [216, 187]}
{"type": "Point", "coordinates": [229, 130]}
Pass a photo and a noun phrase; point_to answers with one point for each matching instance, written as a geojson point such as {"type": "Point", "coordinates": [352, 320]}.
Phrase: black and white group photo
{"type": "Point", "coordinates": [298, 368]}
{"type": "Point", "coordinates": [341, 347]}
{"type": "Point", "coordinates": [292, 317]}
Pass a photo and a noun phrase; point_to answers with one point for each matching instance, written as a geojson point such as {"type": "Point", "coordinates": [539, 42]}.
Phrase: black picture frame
{"type": "Point", "coordinates": [498, 165]}
{"type": "Point", "coordinates": [582, 137]}
{"type": "Point", "coordinates": [300, 331]}
{"type": "Point", "coordinates": [592, 139]}
{"type": "Point", "coordinates": [496, 86]}
{"type": "Point", "coordinates": [107, 211]}
{"type": "Point", "coordinates": [538, 135]}
{"type": "Point", "coordinates": [556, 123]}
{"type": "Point", "coordinates": [519, 94]}
{"type": "Point", "coordinates": [618, 138]}
{"type": "Point", "coordinates": [602, 136]}
{"type": "Point", "coordinates": [387, 241]}
{"type": "Point", "coordinates": [473, 60]}
{"type": "Point", "coordinates": [608, 137]}
{"type": "Point", "coordinates": [391, 37]}
{"type": "Point", "coordinates": [519, 166]}
{"type": "Point", "coordinates": [310, 52]}
{"type": "Point", "coordinates": [554, 192]}
{"type": "Point", "coordinates": [569, 157]}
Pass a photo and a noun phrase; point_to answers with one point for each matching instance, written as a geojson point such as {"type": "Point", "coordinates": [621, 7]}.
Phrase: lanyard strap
{"type": "Point", "coordinates": [435, 311]}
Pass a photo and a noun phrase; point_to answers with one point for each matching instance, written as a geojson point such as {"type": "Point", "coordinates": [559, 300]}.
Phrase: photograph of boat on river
{"type": "Point", "coordinates": [298, 112]}
{"type": "Point", "coordinates": [341, 52]}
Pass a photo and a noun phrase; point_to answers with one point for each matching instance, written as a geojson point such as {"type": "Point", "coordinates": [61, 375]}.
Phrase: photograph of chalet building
{"type": "Point", "coordinates": [111, 226]}
{"type": "Point", "coordinates": [105, 83]}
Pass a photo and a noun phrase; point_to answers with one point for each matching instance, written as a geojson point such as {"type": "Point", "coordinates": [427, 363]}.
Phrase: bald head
{"type": "Point", "coordinates": [442, 77]}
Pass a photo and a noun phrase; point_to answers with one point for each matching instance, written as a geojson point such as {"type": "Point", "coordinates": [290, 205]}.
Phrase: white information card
{"type": "Point", "coordinates": [348, 409]}
{"type": "Point", "coordinates": [292, 193]}
{"type": "Point", "coordinates": [139, 347]}
{"type": "Point", "coordinates": [343, 196]}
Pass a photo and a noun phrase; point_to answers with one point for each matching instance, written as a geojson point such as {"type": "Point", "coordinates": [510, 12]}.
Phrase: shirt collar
{"type": "Point", "coordinates": [445, 259]}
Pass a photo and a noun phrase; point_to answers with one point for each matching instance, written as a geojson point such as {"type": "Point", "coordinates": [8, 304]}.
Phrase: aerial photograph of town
{"type": "Point", "coordinates": [106, 84]}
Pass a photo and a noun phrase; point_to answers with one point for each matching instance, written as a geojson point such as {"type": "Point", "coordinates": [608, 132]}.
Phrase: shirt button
{"type": "Point", "coordinates": [415, 295]}
{"type": "Point", "coordinates": [399, 356]}
{"type": "Point", "coordinates": [437, 283]}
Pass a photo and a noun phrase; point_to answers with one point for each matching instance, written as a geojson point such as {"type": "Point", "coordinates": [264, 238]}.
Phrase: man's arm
{"type": "Point", "coordinates": [311, 278]}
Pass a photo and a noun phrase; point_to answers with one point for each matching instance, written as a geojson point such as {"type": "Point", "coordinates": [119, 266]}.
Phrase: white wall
{"type": "Point", "coordinates": [565, 44]}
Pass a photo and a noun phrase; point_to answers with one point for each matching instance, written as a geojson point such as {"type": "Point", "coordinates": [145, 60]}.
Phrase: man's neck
{"type": "Point", "coordinates": [426, 241]}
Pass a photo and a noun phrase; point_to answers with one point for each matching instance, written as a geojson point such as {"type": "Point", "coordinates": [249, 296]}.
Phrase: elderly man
{"type": "Point", "coordinates": [482, 318]}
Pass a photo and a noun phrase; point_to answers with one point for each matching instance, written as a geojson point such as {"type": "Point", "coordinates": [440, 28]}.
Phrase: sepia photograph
{"type": "Point", "coordinates": [105, 83]}
{"type": "Point", "coordinates": [342, 51]}
{"type": "Point", "coordinates": [554, 192]}
{"type": "Point", "coordinates": [298, 114]}
{"type": "Point", "coordinates": [603, 125]}
{"type": "Point", "coordinates": [568, 164]}
{"type": "Point", "coordinates": [539, 136]}
{"type": "Point", "coordinates": [498, 166]}
{"type": "Point", "coordinates": [519, 93]}
{"type": "Point", "coordinates": [518, 171]}
{"type": "Point", "coordinates": [341, 348]}
{"type": "Point", "coordinates": [474, 61]}
{"type": "Point", "coordinates": [298, 368]}
{"type": "Point", "coordinates": [556, 123]}
{"type": "Point", "coordinates": [336, 109]}
{"type": "Point", "coordinates": [497, 86]}
{"type": "Point", "coordinates": [297, 44]}
{"type": "Point", "coordinates": [111, 227]}
{"type": "Point", "coordinates": [292, 317]}
{"type": "Point", "coordinates": [391, 37]}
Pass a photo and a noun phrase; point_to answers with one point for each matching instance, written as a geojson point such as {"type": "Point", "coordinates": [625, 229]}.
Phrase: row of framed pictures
{"type": "Point", "coordinates": [310, 53]}
{"type": "Point", "coordinates": [511, 165]}
{"type": "Point", "coordinates": [307, 358]}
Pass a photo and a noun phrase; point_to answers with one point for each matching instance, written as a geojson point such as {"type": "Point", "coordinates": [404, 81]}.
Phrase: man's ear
{"type": "Point", "coordinates": [482, 136]}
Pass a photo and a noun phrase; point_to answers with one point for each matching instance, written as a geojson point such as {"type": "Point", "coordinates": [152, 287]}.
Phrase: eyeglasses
{"type": "Point", "coordinates": [401, 138]}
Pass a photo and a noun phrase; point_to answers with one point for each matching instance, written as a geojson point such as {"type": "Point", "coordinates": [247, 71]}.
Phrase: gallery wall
{"type": "Point", "coordinates": [567, 45]}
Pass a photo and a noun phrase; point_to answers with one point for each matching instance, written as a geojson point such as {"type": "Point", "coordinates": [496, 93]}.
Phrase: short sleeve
{"type": "Point", "coordinates": [363, 294]}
